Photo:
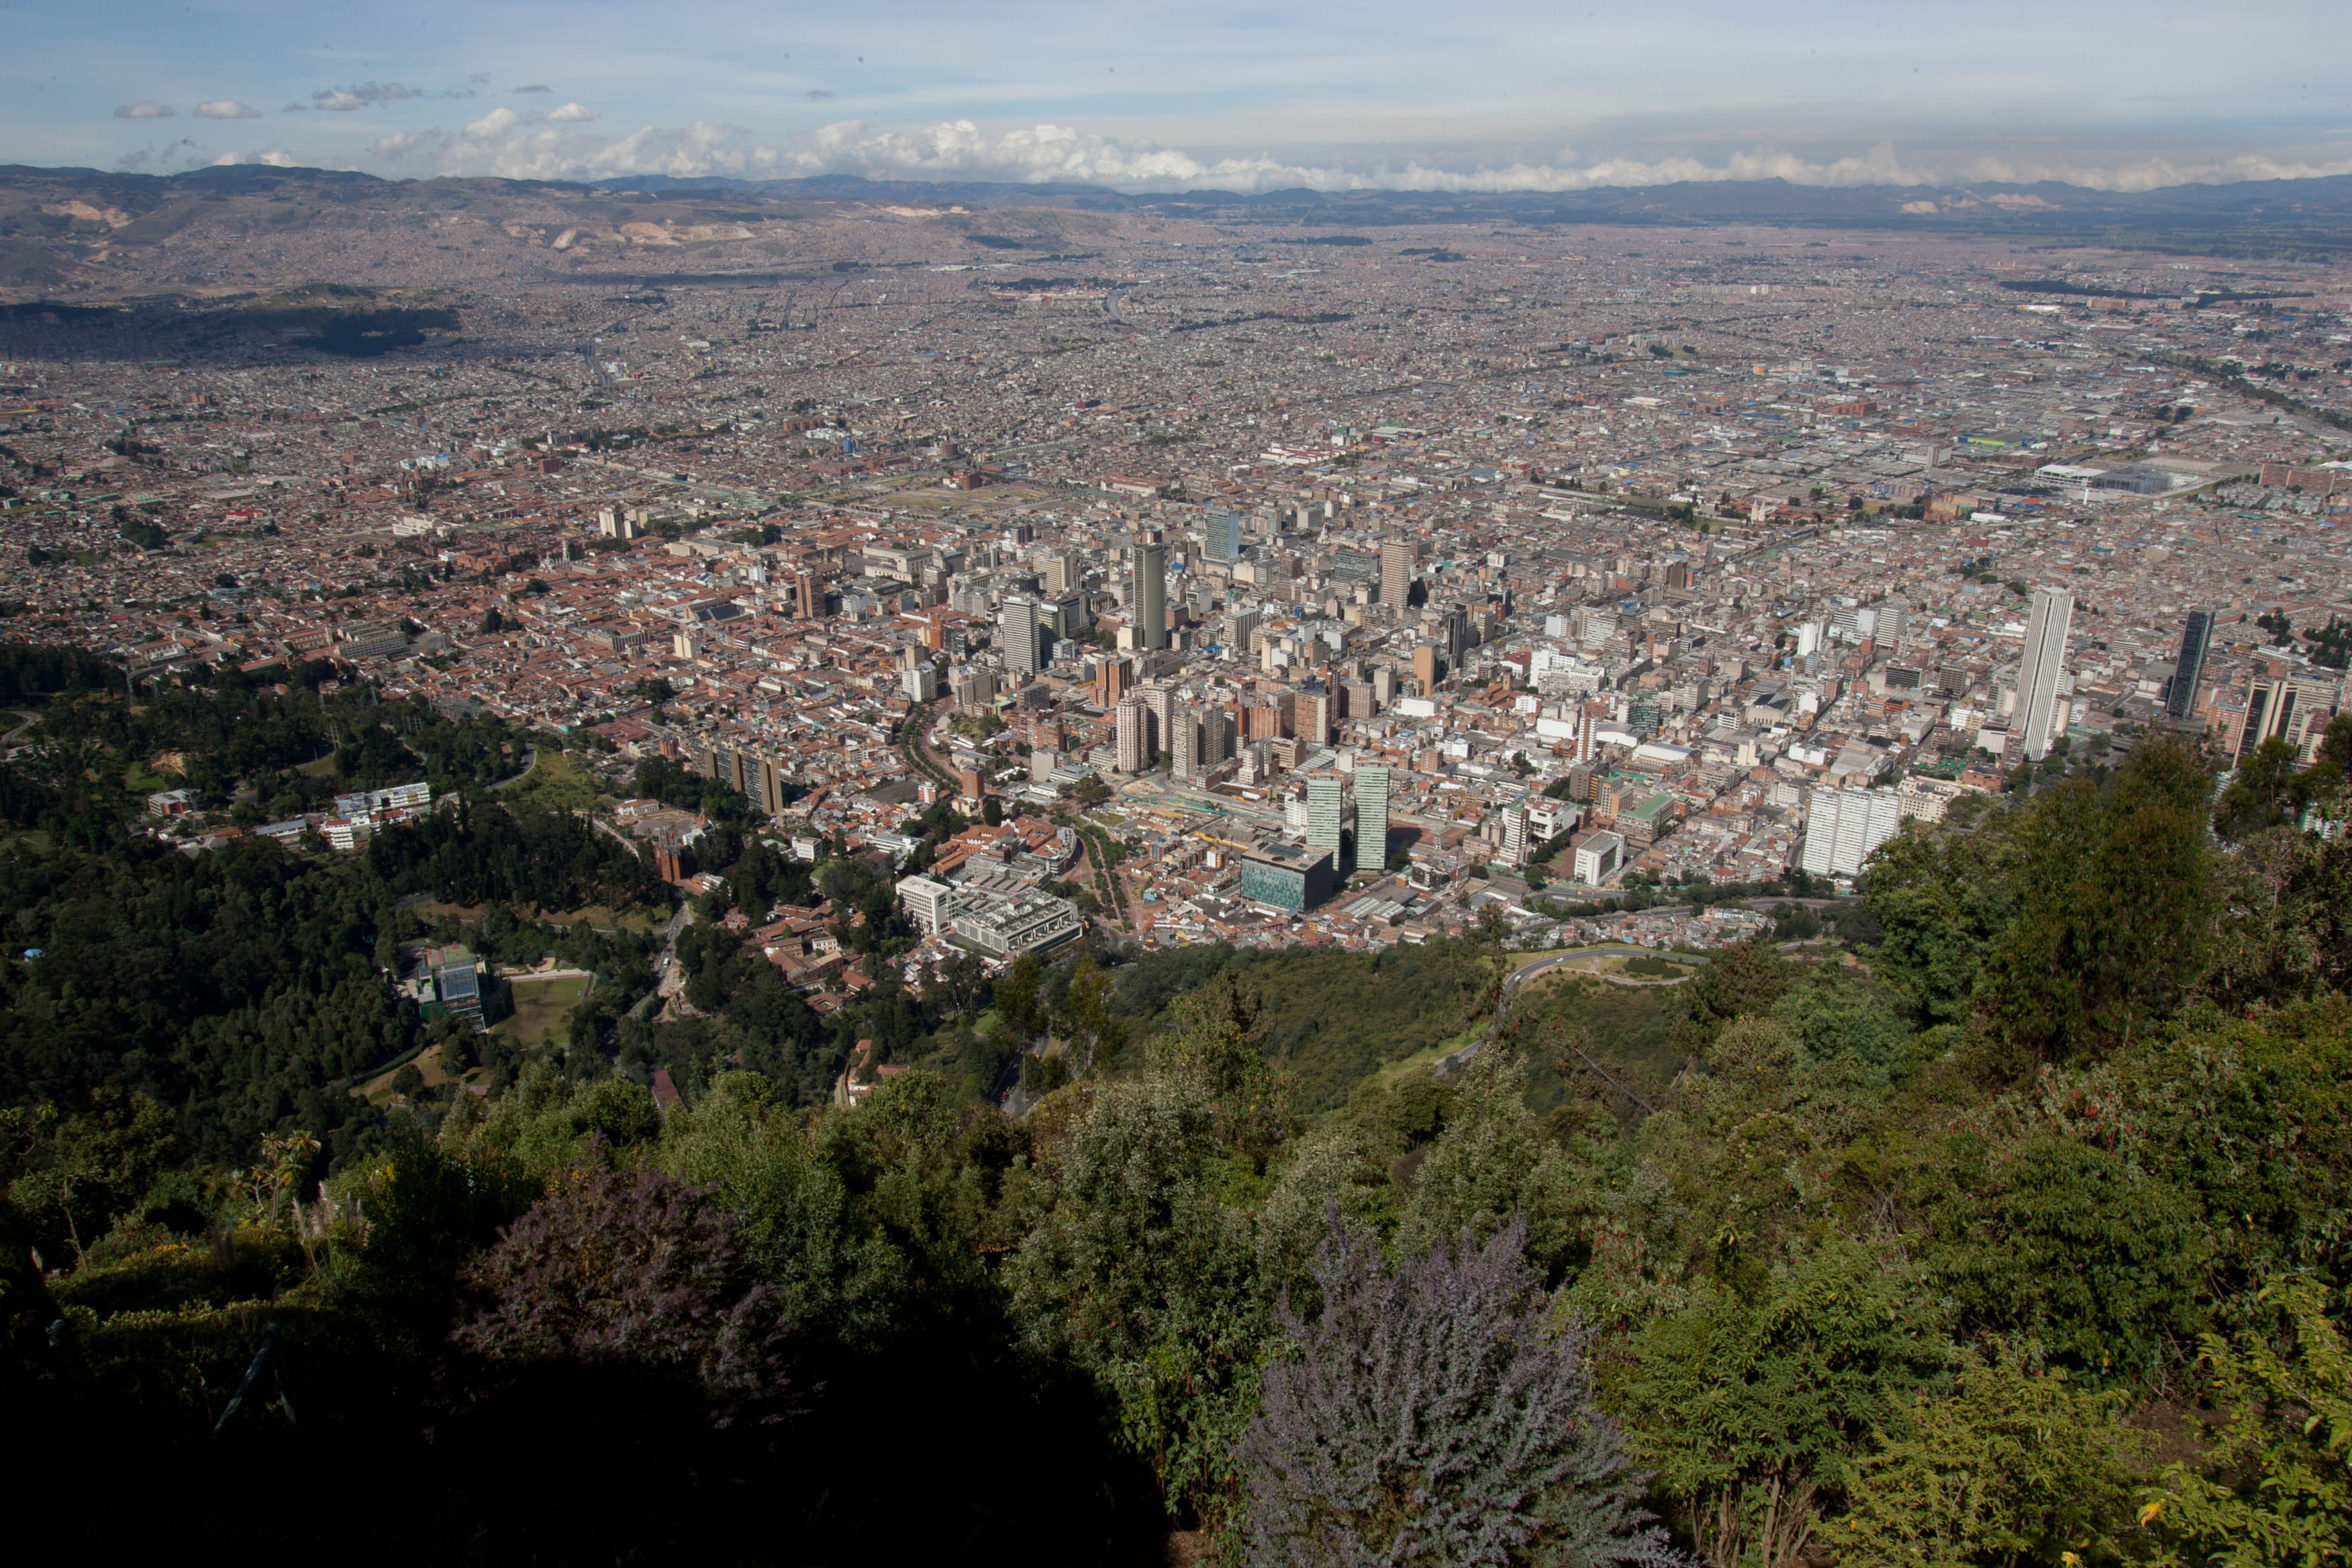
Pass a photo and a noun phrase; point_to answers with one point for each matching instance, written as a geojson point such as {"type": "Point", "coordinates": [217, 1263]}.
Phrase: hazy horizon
{"type": "Point", "coordinates": [1511, 97]}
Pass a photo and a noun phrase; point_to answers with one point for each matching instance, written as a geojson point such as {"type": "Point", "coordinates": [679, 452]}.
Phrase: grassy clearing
{"type": "Point", "coordinates": [555, 783]}
{"type": "Point", "coordinates": [1422, 1060]}
{"type": "Point", "coordinates": [1625, 965]}
{"type": "Point", "coordinates": [540, 1009]}
{"type": "Point", "coordinates": [377, 1090]}
{"type": "Point", "coordinates": [428, 1063]}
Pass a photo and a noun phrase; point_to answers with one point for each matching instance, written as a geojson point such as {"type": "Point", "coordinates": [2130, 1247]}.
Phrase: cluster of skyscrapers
{"type": "Point", "coordinates": [1347, 832]}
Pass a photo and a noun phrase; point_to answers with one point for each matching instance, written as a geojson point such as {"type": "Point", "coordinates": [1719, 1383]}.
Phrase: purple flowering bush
{"type": "Point", "coordinates": [1430, 1415]}
{"type": "Point", "coordinates": [630, 1267]}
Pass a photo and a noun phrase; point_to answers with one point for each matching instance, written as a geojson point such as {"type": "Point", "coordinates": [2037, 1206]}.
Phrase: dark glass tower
{"type": "Point", "coordinates": [2189, 669]}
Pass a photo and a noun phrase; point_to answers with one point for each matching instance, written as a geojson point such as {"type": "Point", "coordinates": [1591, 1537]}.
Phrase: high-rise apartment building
{"type": "Point", "coordinates": [1148, 592]}
{"type": "Point", "coordinates": [1396, 573]}
{"type": "Point", "coordinates": [1843, 826]}
{"type": "Point", "coordinates": [1217, 735]}
{"type": "Point", "coordinates": [1113, 678]}
{"type": "Point", "coordinates": [2293, 709]}
{"type": "Point", "coordinates": [1137, 745]}
{"type": "Point", "coordinates": [1221, 536]}
{"type": "Point", "coordinates": [1372, 817]}
{"type": "Point", "coordinates": [1160, 698]}
{"type": "Point", "coordinates": [1512, 839]}
{"type": "Point", "coordinates": [1457, 635]}
{"type": "Point", "coordinates": [2180, 697]}
{"type": "Point", "coordinates": [1310, 717]}
{"type": "Point", "coordinates": [1183, 744]}
{"type": "Point", "coordinates": [1327, 822]}
{"type": "Point", "coordinates": [2038, 671]}
{"type": "Point", "coordinates": [974, 686]}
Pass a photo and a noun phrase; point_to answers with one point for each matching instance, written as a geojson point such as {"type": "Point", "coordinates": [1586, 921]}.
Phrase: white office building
{"type": "Point", "coordinates": [1016, 636]}
{"type": "Point", "coordinates": [1599, 857]}
{"type": "Point", "coordinates": [926, 900]}
{"type": "Point", "coordinates": [1843, 826]}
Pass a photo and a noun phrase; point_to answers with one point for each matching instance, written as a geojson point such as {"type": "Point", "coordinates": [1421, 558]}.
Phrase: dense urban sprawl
{"type": "Point", "coordinates": [1262, 585]}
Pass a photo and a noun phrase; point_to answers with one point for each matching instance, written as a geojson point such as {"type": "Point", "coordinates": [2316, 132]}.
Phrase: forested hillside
{"type": "Point", "coordinates": [244, 987]}
{"type": "Point", "coordinates": [2019, 1234]}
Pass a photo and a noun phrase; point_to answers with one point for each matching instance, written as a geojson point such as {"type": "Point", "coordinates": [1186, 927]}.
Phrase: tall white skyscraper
{"type": "Point", "coordinates": [2038, 672]}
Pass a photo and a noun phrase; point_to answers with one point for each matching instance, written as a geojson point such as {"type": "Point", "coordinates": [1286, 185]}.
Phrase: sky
{"type": "Point", "coordinates": [1180, 94]}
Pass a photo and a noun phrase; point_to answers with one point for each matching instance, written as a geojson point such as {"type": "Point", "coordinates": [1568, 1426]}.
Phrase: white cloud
{"type": "Point", "coordinates": [147, 110]}
{"type": "Point", "coordinates": [493, 125]}
{"type": "Point", "coordinates": [342, 100]}
{"type": "Point", "coordinates": [513, 146]}
{"type": "Point", "coordinates": [524, 144]}
{"type": "Point", "coordinates": [275, 157]}
{"type": "Point", "coordinates": [399, 143]}
{"type": "Point", "coordinates": [571, 114]}
{"type": "Point", "coordinates": [1046, 153]}
{"type": "Point", "coordinates": [178, 157]}
{"type": "Point", "coordinates": [226, 109]}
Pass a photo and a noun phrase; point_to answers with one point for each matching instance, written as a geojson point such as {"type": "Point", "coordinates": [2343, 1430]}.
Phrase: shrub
{"type": "Point", "coordinates": [1430, 1417]}
{"type": "Point", "coordinates": [633, 1267]}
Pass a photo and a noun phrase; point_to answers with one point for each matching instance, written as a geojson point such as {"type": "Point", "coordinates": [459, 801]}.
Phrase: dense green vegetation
{"type": "Point", "coordinates": [244, 987]}
{"type": "Point", "coordinates": [2017, 1228]}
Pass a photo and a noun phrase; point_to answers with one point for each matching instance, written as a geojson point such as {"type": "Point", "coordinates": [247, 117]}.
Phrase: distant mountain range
{"type": "Point", "coordinates": [87, 236]}
{"type": "Point", "coordinates": [2319, 210]}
